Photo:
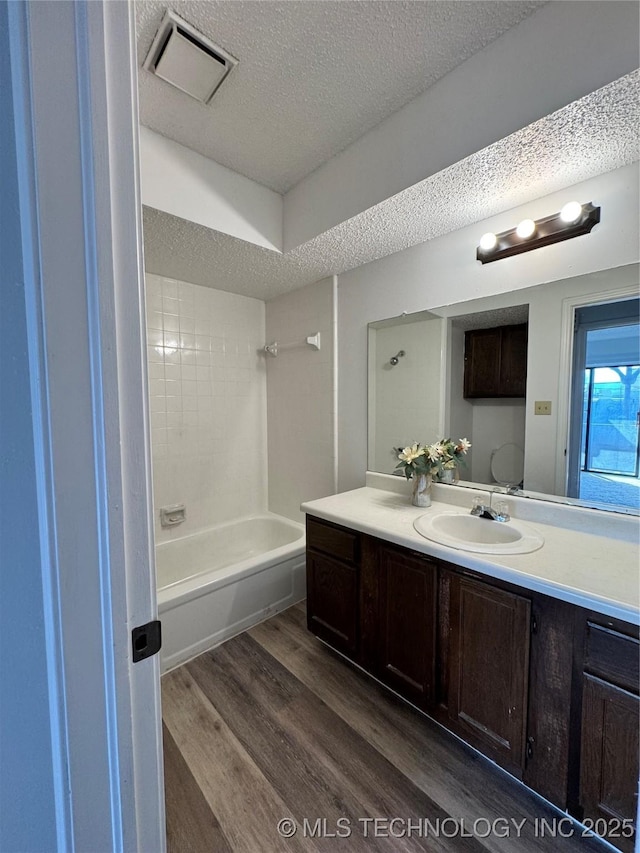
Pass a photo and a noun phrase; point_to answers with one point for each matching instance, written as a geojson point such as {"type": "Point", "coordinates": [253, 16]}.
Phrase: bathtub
{"type": "Point", "coordinates": [216, 583]}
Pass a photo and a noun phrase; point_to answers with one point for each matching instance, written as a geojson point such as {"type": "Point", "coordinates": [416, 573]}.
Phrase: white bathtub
{"type": "Point", "coordinates": [218, 582]}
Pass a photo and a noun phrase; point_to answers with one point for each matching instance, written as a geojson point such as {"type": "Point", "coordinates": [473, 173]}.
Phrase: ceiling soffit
{"type": "Point", "coordinates": [313, 76]}
{"type": "Point", "coordinates": [589, 137]}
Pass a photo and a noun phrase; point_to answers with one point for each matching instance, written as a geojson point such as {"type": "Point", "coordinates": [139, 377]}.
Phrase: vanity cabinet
{"type": "Point", "coordinates": [488, 660]}
{"type": "Point", "coordinates": [495, 362]}
{"type": "Point", "coordinates": [609, 727]}
{"type": "Point", "coordinates": [452, 645]}
{"type": "Point", "coordinates": [544, 688]}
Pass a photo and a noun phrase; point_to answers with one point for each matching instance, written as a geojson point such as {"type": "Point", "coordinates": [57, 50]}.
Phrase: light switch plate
{"type": "Point", "coordinates": [542, 407]}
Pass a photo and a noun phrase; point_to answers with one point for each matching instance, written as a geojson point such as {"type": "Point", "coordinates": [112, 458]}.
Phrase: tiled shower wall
{"type": "Point", "coordinates": [207, 386]}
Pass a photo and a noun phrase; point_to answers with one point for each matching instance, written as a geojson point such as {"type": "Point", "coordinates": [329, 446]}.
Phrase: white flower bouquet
{"type": "Point", "coordinates": [432, 459]}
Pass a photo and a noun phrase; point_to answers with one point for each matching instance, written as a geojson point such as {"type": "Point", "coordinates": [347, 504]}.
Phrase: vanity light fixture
{"type": "Point", "coordinates": [574, 219]}
{"type": "Point", "coordinates": [526, 229]}
{"type": "Point", "coordinates": [488, 241]}
{"type": "Point", "coordinates": [571, 212]}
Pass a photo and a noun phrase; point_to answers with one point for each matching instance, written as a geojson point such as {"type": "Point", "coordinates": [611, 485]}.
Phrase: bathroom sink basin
{"type": "Point", "coordinates": [467, 532]}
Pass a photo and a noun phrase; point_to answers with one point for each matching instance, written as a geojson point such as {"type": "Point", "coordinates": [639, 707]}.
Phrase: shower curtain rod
{"type": "Point", "coordinates": [274, 348]}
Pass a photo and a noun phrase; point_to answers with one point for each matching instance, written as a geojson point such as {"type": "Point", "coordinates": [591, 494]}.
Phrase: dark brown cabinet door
{"type": "Point", "coordinates": [332, 602]}
{"type": "Point", "coordinates": [482, 363]}
{"type": "Point", "coordinates": [489, 664]}
{"type": "Point", "coordinates": [513, 361]}
{"type": "Point", "coordinates": [609, 757]}
{"type": "Point", "coordinates": [495, 362]}
{"type": "Point", "coordinates": [550, 683]}
{"type": "Point", "coordinates": [408, 593]}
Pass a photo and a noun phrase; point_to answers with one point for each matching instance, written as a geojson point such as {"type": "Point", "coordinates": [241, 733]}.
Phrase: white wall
{"type": "Point", "coordinates": [27, 791]}
{"type": "Point", "coordinates": [459, 423]}
{"type": "Point", "coordinates": [301, 399]}
{"type": "Point", "coordinates": [207, 386]}
{"type": "Point", "coordinates": [445, 271]}
{"type": "Point", "coordinates": [495, 422]}
{"type": "Point", "coordinates": [407, 387]}
{"type": "Point", "coordinates": [186, 184]}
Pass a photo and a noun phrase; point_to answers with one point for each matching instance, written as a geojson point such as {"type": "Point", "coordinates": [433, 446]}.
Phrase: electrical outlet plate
{"type": "Point", "coordinates": [542, 407]}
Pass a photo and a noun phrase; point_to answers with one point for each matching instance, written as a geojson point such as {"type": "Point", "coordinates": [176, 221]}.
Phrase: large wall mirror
{"type": "Point", "coordinates": [544, 382]}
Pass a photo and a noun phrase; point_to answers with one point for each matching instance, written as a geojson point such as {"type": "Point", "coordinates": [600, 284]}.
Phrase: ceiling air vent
{"type": "Point", "coordinates": [182, 56]}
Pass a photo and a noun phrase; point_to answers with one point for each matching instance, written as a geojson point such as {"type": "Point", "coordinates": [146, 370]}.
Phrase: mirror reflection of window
{"type": "Point", "coordinates": [605, 452]}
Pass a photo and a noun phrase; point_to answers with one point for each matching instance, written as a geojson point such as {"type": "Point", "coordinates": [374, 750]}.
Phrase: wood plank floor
{"type": "Point", "coordinates": [272, 725]}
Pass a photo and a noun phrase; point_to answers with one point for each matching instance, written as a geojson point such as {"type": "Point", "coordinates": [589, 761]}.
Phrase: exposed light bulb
{"type": "Point", "coordinates": [571, 212]}
{"type": "Point", "coordinates": [526, 228]}
{"type": "Point", "coordinates": [488, 241]}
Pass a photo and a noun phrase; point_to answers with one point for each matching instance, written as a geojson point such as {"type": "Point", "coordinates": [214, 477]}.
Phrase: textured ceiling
{"type": "Point", "coordinates": [589, 137]}
{"type": "Point", "coordinates": [313, 76]}
{"type": "Point", "coordinates": [509, 316]}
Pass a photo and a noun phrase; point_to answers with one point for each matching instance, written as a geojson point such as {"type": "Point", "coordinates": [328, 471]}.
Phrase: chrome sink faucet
{"type": "Point", "coordinates": [483, 511]}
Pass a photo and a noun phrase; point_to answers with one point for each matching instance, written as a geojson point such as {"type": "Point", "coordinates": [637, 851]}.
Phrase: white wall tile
{"type": "Point", "coordinates": [207, 389]}
{"type": "Point", "coordinates": [170, 323]}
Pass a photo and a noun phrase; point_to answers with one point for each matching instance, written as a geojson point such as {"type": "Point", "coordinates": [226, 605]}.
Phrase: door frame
{"type": "Point", "coordinates": [565, 372]}
{"type": "Point", "coordinates": [74, 92]}
{"type": "Point", "coordinates": [582, 328]}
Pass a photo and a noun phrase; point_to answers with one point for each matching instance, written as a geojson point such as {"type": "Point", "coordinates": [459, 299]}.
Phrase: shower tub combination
{"type": "Point", "coordinates": [218, 582]}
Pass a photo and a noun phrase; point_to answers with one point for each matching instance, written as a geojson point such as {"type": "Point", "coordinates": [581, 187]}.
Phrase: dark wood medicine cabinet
{"type": "Point", "coordinates": [495, 362]}
{"type": "Point", "coordinates": [546, 689]}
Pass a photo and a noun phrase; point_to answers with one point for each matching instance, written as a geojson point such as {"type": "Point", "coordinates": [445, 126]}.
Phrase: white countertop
{"type": "Point", "coordinates": [598, 572]}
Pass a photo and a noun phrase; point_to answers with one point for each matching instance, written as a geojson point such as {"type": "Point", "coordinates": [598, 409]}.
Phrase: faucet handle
{"type": "Point", "coordinates": [492, 492]}
{"type": "Point", "coordinates": [502, 510]}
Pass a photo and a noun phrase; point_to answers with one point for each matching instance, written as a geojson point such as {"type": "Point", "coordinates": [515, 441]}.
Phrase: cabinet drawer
{"type": "Point", "coordinates": [612, 656]}
{"type": "Point", "coordinates": [334, 541]}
